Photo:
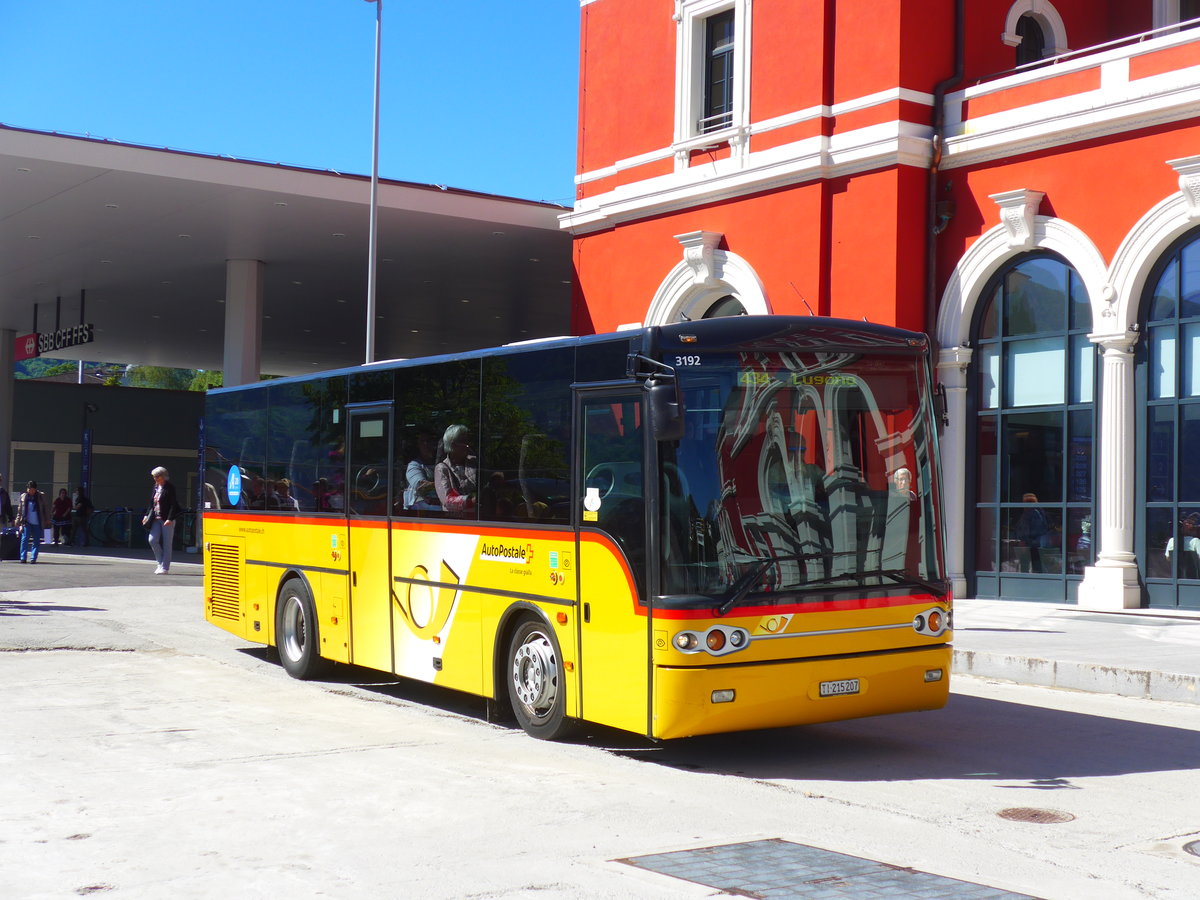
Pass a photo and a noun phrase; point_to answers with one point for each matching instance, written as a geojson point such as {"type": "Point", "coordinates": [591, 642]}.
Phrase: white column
{"type": "Point", "coordinates": [952, 367]}
{"type": "Point", "coordinates": [1112, 583]}
{"type": "Point", "coordinates": [243, 320]}
{"type": "Point", "coordinates": [8, 339]}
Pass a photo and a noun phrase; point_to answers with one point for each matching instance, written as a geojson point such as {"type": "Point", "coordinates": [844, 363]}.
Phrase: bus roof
{"type": "Point", "coordinates": [728, 334]}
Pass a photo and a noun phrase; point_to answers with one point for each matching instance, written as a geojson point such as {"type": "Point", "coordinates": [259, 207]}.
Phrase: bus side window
{"type": "Point", "coordinates": [429, 400]}
{"type": "Point", "coordinates": [524, 469]}
{"type": "Point", "coordinates": [612, 467]}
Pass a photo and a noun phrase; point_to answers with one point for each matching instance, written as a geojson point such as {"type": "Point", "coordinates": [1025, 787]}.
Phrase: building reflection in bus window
{"type": "Point", "coordinates": [524, 465]}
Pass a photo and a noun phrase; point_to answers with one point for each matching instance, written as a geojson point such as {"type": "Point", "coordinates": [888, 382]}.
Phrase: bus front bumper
{"type": "Point", "coordinates": [711, 699]}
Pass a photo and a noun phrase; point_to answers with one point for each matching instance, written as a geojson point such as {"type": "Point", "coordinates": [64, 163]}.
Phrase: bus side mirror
{"type": "Point", "coordinates": [664, 408]}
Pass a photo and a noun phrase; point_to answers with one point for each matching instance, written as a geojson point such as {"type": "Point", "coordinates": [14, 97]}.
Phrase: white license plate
{"type": "Point", "coordinates": [835, 688]}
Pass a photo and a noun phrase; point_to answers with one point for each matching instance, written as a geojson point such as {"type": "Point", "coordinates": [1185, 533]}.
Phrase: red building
{"type": "Point", "coordinates": [1020, 179]}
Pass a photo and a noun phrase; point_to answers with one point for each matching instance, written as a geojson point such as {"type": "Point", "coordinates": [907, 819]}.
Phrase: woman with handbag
{"type": "Point", "coordinates": [160, 520]}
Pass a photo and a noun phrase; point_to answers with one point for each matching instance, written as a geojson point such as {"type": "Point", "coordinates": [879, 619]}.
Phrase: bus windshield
{"type": "Point", "coordinates": [799, 473]}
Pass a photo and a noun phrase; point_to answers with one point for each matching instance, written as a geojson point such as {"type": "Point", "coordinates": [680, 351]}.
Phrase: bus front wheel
{"type": "Point", "coordinates": [536, 684]}
{"type": "Point", "coordinates": [296, 631]}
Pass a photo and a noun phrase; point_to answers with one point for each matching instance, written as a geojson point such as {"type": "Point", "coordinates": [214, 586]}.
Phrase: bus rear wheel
{"type": "Point", "coordinates": [536, 683]}
{"type": "Point", "coordinates": [296, 631]}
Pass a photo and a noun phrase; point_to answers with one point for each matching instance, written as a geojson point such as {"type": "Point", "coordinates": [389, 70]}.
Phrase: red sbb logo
{"type": "Point", "coordinates": [26, 346]}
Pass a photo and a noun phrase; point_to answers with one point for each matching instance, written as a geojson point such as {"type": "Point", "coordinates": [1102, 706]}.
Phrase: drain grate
{"type": "Point", "coordinates": [1038, 816]}
{"type": "Point", "coordinates": [776, 868]}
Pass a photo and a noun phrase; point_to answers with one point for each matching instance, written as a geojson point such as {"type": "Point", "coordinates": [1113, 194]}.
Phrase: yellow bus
{"type": "Point", "coordinates": [713, 526]}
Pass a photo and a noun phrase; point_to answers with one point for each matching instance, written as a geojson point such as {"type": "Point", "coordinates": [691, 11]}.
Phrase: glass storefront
{"type": "Point", "coordinates": [1034, 415]}
{"type": "Point", "coordinates": [1168, 540]}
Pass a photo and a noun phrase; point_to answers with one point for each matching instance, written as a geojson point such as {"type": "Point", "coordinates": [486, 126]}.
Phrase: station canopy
{"type": "Point", "coordinates": [136, 241]}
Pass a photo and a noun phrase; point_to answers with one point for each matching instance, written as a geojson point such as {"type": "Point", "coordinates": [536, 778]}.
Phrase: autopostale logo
{"type": "Point", "coordinates": [499, 551]}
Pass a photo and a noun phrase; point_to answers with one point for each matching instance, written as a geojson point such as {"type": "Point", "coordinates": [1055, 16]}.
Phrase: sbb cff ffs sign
{"type": "Point", "coordinates": [35, 344]}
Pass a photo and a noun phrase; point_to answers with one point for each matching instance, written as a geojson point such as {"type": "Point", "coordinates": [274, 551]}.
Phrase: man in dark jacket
{"type": "Point", "coordinates": [160, 520]}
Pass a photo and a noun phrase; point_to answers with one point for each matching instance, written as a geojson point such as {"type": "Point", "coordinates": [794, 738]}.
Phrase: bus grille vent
{"type": "Point", "coordinates": [225, 568]}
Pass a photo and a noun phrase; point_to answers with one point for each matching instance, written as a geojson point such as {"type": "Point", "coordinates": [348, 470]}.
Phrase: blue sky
{"type": "Point", "coordinates": [477, 95]}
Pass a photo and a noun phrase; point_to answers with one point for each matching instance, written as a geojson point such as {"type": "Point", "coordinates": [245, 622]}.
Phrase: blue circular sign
{"type": "Point", "coordinates": [233, 485]}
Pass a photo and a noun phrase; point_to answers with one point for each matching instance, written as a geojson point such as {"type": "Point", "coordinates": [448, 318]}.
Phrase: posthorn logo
{"type": "Point", "coordinates": [498, 552]}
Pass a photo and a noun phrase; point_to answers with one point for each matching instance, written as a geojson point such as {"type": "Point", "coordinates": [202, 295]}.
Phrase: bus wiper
{"type": "Point", "coordinates": [739, 589]}
{"type": "Point", "coordinates": [743, 586]}
{"type": "Point", "coordinates": [903, 577]}
{"type": "Point", "coordinates": [898, 575]}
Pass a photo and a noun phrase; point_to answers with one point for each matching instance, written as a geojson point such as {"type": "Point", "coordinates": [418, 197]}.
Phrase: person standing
{"type": "Point", "coordinates": [81, 511]}
{"type": "Point", "coordinates": [32, 516]}
{"type": "Point", "coordinates": [160, 520]}
{"type": "Point", "coordinates": [60, 518]}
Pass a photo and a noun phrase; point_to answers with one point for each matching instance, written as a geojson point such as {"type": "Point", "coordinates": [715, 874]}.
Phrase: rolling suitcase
{"type": "Point", "coordinates": [10, 543]}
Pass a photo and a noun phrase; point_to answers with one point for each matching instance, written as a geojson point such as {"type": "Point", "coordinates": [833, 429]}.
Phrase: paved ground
{"type": "Point", "coordinates": [152, 755]}
{"type": "Point", "coordinates": [72, 567]}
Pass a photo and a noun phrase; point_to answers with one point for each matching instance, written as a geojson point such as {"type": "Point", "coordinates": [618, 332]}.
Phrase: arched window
{"type": "Point", "coordinates": [1034, 428]}
{"type": "Point", "coordinates": [1033, 40]}
{"type": "Point", "coordinates": [1035, 29]}
{"type": "Point", "coordinates": [1169, 422]}
{"type": "Point", "coordinates": [707, 283]}
{"type": "Point", "coordinates": [725, 306]}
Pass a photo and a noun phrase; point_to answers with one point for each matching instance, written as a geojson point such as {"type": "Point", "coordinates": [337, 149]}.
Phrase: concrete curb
{"type": "Point", "coordinates": [1079, 676]}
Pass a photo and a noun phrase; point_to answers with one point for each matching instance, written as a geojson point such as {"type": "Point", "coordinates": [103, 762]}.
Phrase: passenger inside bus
{"type": "Point", "coordinates": [419, 491]}
{"type": "Point", "coordinates": [456, 476]}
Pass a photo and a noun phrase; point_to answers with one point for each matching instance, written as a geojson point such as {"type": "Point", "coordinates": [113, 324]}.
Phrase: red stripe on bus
{"type": "Point", "coordinates": [820, 606]}
{"type": "Point", "coordinates": [430, 525]}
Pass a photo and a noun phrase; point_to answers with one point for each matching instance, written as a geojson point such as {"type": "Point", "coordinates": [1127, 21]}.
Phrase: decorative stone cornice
{"type": "Point", "coordinates": [1017, 212]}
{"type": "Point", "coordinates": [698, 248]}
{"type": "Point", "coordinates": [952, 364]}
{"type": "Point", "coordinates": [1121, 341]}
{"type": "Point", "coordinates": [954, 358]}
{"type": "Point", "coordinates": [1189, 182]}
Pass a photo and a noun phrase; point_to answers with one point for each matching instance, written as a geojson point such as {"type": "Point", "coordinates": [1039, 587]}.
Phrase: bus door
{"type": "Point", "coordinates": [368, 506]}
{"type": "Point", "coordinates": [611, 512]}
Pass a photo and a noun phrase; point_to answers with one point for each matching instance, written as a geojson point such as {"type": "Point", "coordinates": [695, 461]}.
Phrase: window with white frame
{"type": "Point", "coordinates": [717, 100]}
{"type": "Point", "coordinates": [712, 67]}
{"type": "Point", "coordinates": [1175, 12]}
{"type": "Point", "coordinates": [1036, 29]}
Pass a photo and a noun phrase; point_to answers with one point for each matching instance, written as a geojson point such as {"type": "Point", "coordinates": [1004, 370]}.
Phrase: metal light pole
{"type": "Point", "coordinates": [373, 239]}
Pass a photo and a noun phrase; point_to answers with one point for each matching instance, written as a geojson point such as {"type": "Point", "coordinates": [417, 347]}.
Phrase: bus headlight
{"type": "Point", "coordinates": [719, 640]}
{"type": "Point", "coordinates": [687, 641]}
